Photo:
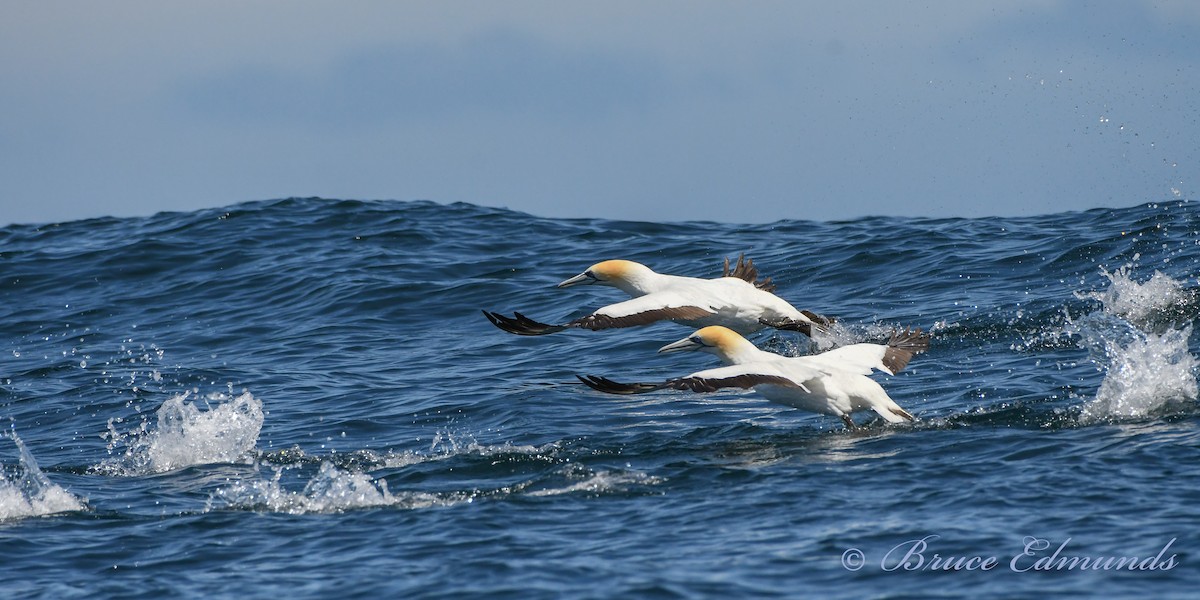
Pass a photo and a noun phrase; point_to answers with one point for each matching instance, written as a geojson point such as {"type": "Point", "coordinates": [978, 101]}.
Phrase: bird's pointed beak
{"type": "Point", "coordinates": [684, 345]}
{"type": "Point", "coordinates": [580, 279]}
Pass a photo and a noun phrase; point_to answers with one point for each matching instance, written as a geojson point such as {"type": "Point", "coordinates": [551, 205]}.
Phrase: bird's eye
{"type": "Point", "coordinates": [699, 341]}
{"type": "Point", "coordinates": [590, 275]}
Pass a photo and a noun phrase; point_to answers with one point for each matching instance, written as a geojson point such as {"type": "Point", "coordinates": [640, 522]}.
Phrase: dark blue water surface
{"type": "Point", "coordinates": [301, 398]}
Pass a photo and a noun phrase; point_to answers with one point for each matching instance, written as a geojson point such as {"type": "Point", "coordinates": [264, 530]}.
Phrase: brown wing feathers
{"type": "Point", "coordinates": [748, 380]}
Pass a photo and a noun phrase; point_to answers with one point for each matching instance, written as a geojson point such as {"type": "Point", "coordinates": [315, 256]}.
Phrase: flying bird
{"type": "Point", "coordinates": [832, 383]}
{"type": "Point", "coordinates": [737, 300]}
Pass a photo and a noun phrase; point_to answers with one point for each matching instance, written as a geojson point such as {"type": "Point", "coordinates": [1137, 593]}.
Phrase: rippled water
{"type": "Point", "coordinates": [302, 397]}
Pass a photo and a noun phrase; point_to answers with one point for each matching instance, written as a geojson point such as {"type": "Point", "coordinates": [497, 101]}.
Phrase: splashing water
{"type": "Point", "coordinates": [330, 490]}
{"type": "Point", "coordinates": [336, 488]}
{"type": "Point", "coordinates": [1144, 375]}
{"type": "Point", "coordinates": [185, 435]}
{"type": "Point", "coordinates": [1146, 371]}
{"type": "Point", "coordinates": [448, 444]}
{"type": "Point", "coordinates": [1139, 303]}
{"type": "Point", "coordinates": [28, 493]}
{"type": "Point", "coordinates": [829, 337]}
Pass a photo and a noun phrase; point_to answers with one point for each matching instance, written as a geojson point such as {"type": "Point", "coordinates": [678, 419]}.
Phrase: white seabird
{"type": "Point", "coordinates": [737, 300]}
{"type": "Point", "coordinates": [831, 383]}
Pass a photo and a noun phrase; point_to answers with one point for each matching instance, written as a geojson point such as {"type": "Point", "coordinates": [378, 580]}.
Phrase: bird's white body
{"type": "Point", "coordinates": [726, 301]}
{"type": "Point", "coordinates": [818, 389]}
{"type": "Point", "coordinates": [832, 383]}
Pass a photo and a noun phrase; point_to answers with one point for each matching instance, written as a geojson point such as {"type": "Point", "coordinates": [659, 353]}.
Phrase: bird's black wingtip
{"type": "Point", "coordinates": [608, 386]}
{"type": "Point", "coordinates": [519, 324]}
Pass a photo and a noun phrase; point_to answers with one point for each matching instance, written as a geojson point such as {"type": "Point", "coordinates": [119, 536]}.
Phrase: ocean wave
{"type": "Point", "coordinates": [1062, 358]}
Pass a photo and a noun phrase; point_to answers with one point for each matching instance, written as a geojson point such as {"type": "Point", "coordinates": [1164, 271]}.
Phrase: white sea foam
{"type": "Point", "coordinates": [28, 493]}
{"type": "Point", "coordinates": [184, 434]}
{"type": "Point", "coordinates": [330, 490]}
{"type": "Point", "coordinates": [1145, 370]}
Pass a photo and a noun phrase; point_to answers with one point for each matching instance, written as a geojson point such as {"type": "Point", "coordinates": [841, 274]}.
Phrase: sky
{"type": "Point", "coordinates": [745, 112]}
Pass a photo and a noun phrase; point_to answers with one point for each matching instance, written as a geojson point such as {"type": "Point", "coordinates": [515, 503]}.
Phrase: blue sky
{"type": "Point", "coordinates": [662, 111]}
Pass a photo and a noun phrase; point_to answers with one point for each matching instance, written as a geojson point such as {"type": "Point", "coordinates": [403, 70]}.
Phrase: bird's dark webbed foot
{"type": "Point", "coordinates": [849, 423]}
{"type": "Point", "coordinates": [789, 325]}
{"type": "Point", "coordinates": [822, 320]}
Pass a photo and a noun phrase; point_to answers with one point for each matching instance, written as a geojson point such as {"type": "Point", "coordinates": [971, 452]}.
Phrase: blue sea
{"type": "Point", "coordinates": [301, 398]}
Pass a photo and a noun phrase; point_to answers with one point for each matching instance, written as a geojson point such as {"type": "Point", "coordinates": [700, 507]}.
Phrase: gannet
{"type": "Point", "coordinates": [831, 383]}
{"type": "Point", "coordinates": [737, 300]}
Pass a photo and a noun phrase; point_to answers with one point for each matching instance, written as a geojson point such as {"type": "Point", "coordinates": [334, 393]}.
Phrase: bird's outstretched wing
{"type": "Point", "coordinates": [643, 310]}
{"type": "Point", "coordinates": [711, 380]}
{"type": "Point", "coordinates": [608, 386]}
{"type": "Point", "coordinates": [605, 318]}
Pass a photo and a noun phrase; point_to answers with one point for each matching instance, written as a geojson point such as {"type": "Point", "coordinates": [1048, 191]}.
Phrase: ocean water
{"type": "Point", "coordinates": [302, 397]}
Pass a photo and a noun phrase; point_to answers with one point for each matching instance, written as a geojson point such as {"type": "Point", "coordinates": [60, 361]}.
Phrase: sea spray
{"type": "Point", "coordinates": [185, 435]}
{"type": "Point", "coordinates": [829, 337]}
{"type": "Point", "coordinates": [1146, 362]}
{"type": "Point", "coordinates": [338, 485]}
{"type": "Point", "coordinates": [1141, 304]}
{"type": "Point", "coordinates": [341, 483]}
{"type": "Point", "coordinates": [26, 492]}
{"type": "Point", "coordinates": [1144, 375]}
{"type": "Point", "coordinates": [330, 490]}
